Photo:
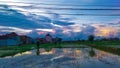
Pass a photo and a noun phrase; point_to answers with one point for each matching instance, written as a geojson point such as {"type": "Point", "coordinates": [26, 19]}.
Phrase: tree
{"type": "Point", "coordinates": [91, 38]}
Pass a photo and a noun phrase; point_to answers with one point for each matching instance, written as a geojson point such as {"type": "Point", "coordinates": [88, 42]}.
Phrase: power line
{"type": "Point", "coordinates": [69, 4]}
{"type": "Point", "coordinates": [75, 14]}
{"type": "Point", "coordinates": [54, 8]}
{"type": "Point", "coordinates": [62, 8]}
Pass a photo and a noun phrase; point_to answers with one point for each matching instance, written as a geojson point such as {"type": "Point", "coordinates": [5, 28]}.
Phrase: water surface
{"type": "Point", "coordinates": [62, 58]}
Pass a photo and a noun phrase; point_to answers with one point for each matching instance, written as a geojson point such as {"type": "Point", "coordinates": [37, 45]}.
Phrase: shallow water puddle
{"type": "Point", "coordinates": [62, 58]}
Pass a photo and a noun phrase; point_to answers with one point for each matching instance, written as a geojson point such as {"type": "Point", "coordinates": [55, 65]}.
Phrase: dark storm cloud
{"type": "Point", "coordinates": [62, 23]}
{"type": "Point", "coordinates": [39, 18]}
{"type": "Point", "coordinates": [57, 19]}
{"type": "Point", "coordinates": [15, 19]}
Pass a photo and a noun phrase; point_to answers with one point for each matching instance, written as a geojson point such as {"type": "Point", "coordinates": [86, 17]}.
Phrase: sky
{"type": "Point", "coordinates": [69, 19]}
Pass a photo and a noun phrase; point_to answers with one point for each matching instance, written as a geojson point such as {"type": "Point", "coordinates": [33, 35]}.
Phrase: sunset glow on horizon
{"type": "Point", "coordinates": [78, 18]}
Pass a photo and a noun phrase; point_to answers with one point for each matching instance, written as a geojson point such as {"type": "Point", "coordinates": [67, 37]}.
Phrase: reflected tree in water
{"type": "Point", "coordinates": [38, 46]}
{"type": "Point", "coordinates": [92, 52]}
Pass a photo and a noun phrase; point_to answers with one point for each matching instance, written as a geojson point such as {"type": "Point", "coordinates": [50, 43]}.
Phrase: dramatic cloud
{"type": "Point", "coordinates": [5, 29]}
{"type": "Point", "coordinates": [27, 17]}
{"type": "Point", "coordinates": [15, 19]}
{"type": "Point", "coordinates": [106, 30]}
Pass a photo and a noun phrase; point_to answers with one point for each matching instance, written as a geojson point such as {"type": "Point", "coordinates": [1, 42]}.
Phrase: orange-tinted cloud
{"type": "Point", "coordinates": [106, 31]}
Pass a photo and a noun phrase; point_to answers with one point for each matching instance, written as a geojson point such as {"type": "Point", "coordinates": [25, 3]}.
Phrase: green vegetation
{"type": "Point", "coordinates": [12, 50]}
{"type": "Point", "coordinates": [109, 46]}
{"type": "Point", "coordinates": [104, 43]}
{"type": "Point", "coordinates": [4, 53]}
{"type": "Point", "coordinates": [108, 49]}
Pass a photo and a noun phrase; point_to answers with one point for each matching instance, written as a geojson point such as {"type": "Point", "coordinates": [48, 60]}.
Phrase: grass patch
{"type": "Point", "coordinates": [12, 50]}
{"type": "Point", "coordinates": [102, 45]}
{"type": "Point", "coordinates": [108, 49]}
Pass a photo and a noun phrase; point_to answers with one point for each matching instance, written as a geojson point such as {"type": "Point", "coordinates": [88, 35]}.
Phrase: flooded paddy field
{"type": "Point", "coordinates": [62, 58]}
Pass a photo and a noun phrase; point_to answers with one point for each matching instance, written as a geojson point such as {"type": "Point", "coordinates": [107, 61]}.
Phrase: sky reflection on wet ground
{"type": "Point", "coordinates": [62, 58]}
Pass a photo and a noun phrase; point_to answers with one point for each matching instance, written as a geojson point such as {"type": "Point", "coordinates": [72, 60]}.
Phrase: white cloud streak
{"type": "Point", "coordinates": [14, 29]}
